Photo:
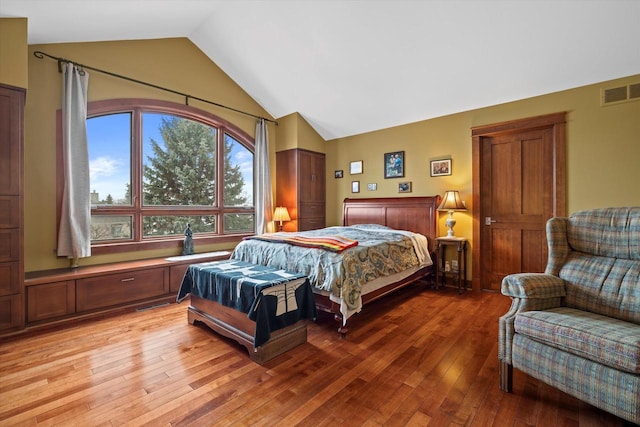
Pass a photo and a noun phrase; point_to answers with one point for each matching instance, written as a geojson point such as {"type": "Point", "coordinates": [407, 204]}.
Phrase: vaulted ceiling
{"type": "Point", "coordinates": [354, 66]}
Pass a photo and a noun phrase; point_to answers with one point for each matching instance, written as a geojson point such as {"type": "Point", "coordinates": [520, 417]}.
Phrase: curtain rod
{"type": "Point", "coordinates": [40, 55]}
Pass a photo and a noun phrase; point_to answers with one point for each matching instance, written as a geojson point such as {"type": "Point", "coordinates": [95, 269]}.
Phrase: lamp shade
{"type": "Point", "coordinates": [281, 214]}
{"type": "Point", "coordinates": [452, 202]}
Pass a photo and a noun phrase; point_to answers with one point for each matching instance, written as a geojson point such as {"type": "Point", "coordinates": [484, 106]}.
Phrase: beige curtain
{"type": "Point", "coordinates": [74, 236]}
{"type": "Point", "coordinates": [264, 202]}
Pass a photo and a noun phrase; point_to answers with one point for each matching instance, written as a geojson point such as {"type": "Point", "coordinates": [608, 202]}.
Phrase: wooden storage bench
{"type": "Point", "coordinates": [236, 325]}
{"type": "Point", "coordinates": [54, 296]}
{"type": "Point", "coordinates": [261, 308]}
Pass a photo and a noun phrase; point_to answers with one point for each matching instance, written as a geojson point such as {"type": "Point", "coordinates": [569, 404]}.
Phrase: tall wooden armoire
{"type": "Point", "coordinates": [300, 187]}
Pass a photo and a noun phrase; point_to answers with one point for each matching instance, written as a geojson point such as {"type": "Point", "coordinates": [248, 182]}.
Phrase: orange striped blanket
{"type": "Point", "coordinates": [330, 243]}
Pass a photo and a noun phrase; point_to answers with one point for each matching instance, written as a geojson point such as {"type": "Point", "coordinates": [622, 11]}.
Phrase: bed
{"type": "Point", "coordinates": [397, 264]}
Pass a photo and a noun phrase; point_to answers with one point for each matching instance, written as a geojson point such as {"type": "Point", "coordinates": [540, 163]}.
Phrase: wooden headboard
{"type": "Point", "coordinates": [417, 214]}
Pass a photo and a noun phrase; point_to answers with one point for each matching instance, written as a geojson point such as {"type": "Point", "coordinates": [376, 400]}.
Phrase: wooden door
{"type": "Point", "coordinates": [519, 180]}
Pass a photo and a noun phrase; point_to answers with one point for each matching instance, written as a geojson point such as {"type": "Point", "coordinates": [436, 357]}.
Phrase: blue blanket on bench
{"type": "Point", "coordinates": [272, 298]}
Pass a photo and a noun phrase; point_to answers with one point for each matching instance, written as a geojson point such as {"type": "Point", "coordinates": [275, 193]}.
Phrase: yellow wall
{"type": "Point", "coordinates": [308, 138]}
{"type": "Point", "coordinates": [603, 152]}
{"type": "Point", "coordinates": [13, 52]}
{"type": "Point", "coordinates": [295, 132]}
{"type": "Point", "coordinates": [287, 132]}
{"type": "Point", "coordinates": [173, 63]}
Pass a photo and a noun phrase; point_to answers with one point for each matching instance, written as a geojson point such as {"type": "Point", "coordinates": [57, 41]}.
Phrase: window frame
{"type": "Point", "coordinates": [138, 106]}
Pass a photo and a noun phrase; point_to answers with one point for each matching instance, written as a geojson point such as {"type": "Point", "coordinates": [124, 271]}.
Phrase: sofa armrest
{"type": "Point", "coordinates": [528, 291]}
{"type": "Point", "coordinates": [533, 285]}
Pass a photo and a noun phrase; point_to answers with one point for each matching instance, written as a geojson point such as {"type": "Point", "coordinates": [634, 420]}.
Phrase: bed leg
{"type": "Point", "coordinates": [342, 330]}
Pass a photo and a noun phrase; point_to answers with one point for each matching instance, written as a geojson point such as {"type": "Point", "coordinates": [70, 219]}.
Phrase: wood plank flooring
{"type": "Point", "coordinates": [421, 357]}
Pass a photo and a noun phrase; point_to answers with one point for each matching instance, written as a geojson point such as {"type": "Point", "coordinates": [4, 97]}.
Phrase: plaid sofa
{"type": "Point", "coordinates": [577, 325]}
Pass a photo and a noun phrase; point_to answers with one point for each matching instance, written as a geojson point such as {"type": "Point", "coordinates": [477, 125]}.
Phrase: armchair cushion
{"type": "Point", "coordinates": [608, 286]}
{"type": "Point", "coordinates": [605, 340]}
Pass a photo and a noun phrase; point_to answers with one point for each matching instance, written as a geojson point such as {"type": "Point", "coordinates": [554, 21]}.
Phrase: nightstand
{"type": "Point", "coordinates": [460, 243]}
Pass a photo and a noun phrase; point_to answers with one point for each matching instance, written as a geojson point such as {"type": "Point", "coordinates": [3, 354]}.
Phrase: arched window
{"type": "Point", "coordinates": [157, 166]}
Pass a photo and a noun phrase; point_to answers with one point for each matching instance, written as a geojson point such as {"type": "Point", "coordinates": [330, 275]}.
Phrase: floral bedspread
{"type": "Point", "coordinates": [381, 251]}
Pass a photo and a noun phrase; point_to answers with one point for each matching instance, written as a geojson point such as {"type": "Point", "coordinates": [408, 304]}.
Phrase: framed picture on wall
{"type": "Point", "coordinates": [404, 187]}
{"type": "Point", "coordinates": [355, 186]}
{"type": "Point", "coordinates": [337, 174]}
{"type": "Point", "coordinates": [440, 167]}
{"type": "Point", "coordinates": [394, 164]}
{"type": "Point", "coordinates": [355, 168]}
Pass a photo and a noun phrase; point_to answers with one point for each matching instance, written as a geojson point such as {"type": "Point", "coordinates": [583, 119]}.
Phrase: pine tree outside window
{"type": "Point", "coordinates": [157, 166]}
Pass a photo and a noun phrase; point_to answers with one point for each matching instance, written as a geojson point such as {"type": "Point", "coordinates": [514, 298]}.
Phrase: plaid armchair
{"type": "Point", "coordinates": [577, 326]}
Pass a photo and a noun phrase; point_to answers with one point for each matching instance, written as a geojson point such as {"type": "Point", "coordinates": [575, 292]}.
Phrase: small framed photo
{"type": "Point", "coordinates": [355, 186]}
{"type": "Point", "coordinates": [394, 164]}
{"type": "Point", "coordinates": [337, 174]}
{"type": "Point", "coordinates": [355, 167]}
{"type": "Point", "coordinates": [440, 167]}
{"type": "Point", "coordinates": [404, 187]}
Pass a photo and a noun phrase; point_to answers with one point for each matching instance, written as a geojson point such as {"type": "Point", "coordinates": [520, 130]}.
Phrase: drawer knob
{"type": "Point", "coordinates": [130, 279]}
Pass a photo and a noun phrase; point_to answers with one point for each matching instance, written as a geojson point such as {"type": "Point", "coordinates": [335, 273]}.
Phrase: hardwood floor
{"type": "Point", "coordinates": [425, 358]}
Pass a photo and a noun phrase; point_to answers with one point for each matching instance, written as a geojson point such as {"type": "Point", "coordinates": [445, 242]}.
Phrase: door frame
{"type": "Point", "coordinates": [557, 123]}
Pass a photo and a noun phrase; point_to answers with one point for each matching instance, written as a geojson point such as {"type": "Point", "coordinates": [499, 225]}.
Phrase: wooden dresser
{"type": "Point", "coordinates": [11, 207]}
{"type": "Point", "coordinates": [300, 187]}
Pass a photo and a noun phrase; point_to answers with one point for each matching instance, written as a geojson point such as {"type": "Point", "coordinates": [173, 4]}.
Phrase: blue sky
{"type": "Point", "coordinates": [110, 153]}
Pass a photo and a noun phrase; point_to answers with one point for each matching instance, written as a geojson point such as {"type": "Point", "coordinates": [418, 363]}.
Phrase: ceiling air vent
{"type": "Point", "coordinates": [621, 94]}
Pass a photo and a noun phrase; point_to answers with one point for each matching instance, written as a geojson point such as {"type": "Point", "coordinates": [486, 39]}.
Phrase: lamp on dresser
{"type": "Point", "coordinates": [281, 214]}
{"type": "Point", "coordinates": [451, 202]}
